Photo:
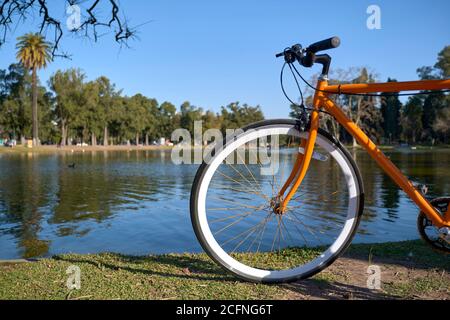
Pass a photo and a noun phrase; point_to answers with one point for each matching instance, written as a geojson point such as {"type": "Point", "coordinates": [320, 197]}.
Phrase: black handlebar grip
{"type": "Point", "coordinates": [324, 45]}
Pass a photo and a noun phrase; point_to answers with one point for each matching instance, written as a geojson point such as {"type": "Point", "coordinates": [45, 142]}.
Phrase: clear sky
{"type": "Point", "coordinates": [214, 52]}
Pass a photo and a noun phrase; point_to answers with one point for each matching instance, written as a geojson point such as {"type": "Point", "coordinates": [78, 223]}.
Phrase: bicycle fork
{"type": "Point", "coordinates": [303, 160]}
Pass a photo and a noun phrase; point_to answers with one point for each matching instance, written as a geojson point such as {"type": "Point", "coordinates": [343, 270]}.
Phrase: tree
{"type": "Point", "coordinates": [92, 114]}
{"type": "Point", "coordinates": [68, 87]}
{"type": "Point", "coordinates": [151, 120]}
{"type": "Point", "coordinates": [116, 119]}
{"type": "Point", "coordinates": [107, 95]}
{"type": "Point", "coordinates": [48, 130]}
{"type": "Point", "coordinates": [441, 124]}
{"type": "Point", "coordinates": [15, 105]}
{"type": "Point", "coordinates": [189, 114]}
{"type": "Point", "coordinates": [362, 110]}
{"type": "Point", "coordinates": [411, 119]}
{"type": "Point", "coordinates": [434, 103]}
{"type": "Point", "coordinates": [235, 116]}
{"type": "Point", "coordinates": [168, 119]}
{"type": "Point", "coordinates": [136, 115]}
{"type": "Point", "coordinates": [390, 111]}
{"type": "Point", "coordinates": [443, 63]}
{"type": "Point", "coordinates": [211, 120]}
{"type": "Point", "coordinates": [34, 53]}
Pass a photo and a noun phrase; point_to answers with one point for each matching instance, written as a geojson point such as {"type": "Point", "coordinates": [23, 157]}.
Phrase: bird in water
{"type": "Point", "coordinates": [71, 166]}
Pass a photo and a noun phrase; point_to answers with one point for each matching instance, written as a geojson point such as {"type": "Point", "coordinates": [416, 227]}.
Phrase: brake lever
{"type": "Point", "coordinates": [292, 54]}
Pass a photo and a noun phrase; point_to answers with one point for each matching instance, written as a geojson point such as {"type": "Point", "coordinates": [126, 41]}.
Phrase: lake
{"type": "Point", "coordinates": [137, 202]}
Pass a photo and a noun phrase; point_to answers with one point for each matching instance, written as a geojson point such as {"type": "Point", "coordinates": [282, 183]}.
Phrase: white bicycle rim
{"type": "Point", "coordinates": [319, 262]}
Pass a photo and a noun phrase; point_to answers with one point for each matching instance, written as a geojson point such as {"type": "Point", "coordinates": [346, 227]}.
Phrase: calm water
{"type": "Point", "coordinates": [138, 202]}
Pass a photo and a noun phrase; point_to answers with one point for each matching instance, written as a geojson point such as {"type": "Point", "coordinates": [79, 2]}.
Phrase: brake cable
{"type": "Point", "coordinates": [302, 105]}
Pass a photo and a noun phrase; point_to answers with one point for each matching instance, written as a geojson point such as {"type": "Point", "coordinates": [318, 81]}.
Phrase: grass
{"type": "Point", "coordinates": [194, 276]}
{"type": "Point", "coordinates": [415, 252]}
{"type": "Point", "coordinates": [420, 287]}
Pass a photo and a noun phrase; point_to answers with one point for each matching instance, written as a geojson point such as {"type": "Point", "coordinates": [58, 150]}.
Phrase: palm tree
{"type": "Point", "coordinates": [34, 53]}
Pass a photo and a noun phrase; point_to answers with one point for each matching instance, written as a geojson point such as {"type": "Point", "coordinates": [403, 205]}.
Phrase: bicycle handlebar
{"type": "Point", "coordinates": [323, 45]}
{"type": "Point", "coordinates": [307, 57]}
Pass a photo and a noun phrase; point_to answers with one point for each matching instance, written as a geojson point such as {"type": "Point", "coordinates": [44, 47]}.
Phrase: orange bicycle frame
{"type": "Point", "coordinates": [322, 100]}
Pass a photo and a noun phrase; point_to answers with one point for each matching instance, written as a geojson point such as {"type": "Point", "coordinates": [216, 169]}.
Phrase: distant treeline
{"type": "Point", "coordinates": [96, 112]}
{"type": "Point", "coordinates": [76, 110]}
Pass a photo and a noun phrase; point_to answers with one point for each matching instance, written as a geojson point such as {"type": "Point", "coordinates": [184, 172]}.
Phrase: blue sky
{"type": "Point", "coordinates": [212, 53]}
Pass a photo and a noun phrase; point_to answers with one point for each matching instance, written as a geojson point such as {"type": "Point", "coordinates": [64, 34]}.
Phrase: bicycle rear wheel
{"type": "Point", "coordinates": [234, 195]}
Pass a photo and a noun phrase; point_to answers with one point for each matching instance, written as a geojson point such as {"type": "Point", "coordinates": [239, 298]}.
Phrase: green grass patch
{"type": "Point", "coordinates": [433, 284]}
{"type": "Point", "coordinates": [415, 251]}
{"type": "Point", "coordinates": [190, 276]}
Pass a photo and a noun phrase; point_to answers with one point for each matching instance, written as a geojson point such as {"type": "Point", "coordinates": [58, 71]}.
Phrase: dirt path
{"type": "Point", "coordinates": [399, 280]}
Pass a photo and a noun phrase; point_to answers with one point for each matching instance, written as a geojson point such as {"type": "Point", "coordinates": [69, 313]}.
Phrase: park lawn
{"type": "Point", "coordinates": [410, 270]}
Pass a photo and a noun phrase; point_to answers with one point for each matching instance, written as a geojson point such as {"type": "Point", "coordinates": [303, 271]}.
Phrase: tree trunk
{"type": "Point", "coordinates": [146, 139]}
{"type": "Point", "coordinates": [93, 140]}
{"type": "Point", "coordinates": [63, 134]}
{"type": "Point", "coordinates": [105, 137]}
{"type": "Point", "coordinates": [137, 139]}
{"type": "Point", "coordinates": [34, 107]}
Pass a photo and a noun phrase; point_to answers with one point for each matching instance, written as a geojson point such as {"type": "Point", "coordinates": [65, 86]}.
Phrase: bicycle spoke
{"type": "Point", "coordinates": [287, 231]}
{"type": "Point", "coordinates": [309, 227]}
{"type": "Point", "coordinates": [239, 235]}
{"type": "Point", "coordinates": [250, 184]}
{"type": "Point", "coordinates": [233, 223]}
{"type": "Point", "coordinates": [236, 202]}
{"type": "Point", "coordinates": [239, 190]}
{"type": "Point", "coordinates": [321, 220]}
{"type": "Point", "coordinates": [263, 230]}
{"type": "Point", "coordinates": [299, 231]}
{"type": "Point", "coordinates": [231, 179]}
{"type": "Point", "coordinates": [260, 231]}
{"type": "Point", "coordinates": [228, 218]}
{"type": "Point", "coordinates": [250, 172]}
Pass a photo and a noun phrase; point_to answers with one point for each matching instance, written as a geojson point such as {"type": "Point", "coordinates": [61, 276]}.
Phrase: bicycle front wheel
{"type": "Point", "coordinates": [235, 193]}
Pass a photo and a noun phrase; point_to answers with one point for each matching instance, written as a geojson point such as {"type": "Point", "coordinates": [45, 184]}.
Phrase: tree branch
{"type": "Point", "coordinates": [13, 11]}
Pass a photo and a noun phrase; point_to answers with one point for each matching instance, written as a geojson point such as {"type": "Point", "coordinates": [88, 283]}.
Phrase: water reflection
{"type": "Point", "coordinates": [138, 202]}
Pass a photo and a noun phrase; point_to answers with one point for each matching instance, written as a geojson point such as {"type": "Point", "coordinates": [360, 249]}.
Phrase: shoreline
{"type": "Point", "coordinates": [76, 149]}
{"type": "Point", "coordinates": [52, 149]}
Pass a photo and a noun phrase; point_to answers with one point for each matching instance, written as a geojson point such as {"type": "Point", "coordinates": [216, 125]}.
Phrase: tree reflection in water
{"type": "Point", "coordinates": [47, 207]}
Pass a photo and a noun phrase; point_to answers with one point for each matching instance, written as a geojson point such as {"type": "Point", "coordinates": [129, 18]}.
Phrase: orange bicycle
{"type": "Point", "coordinates": [280, 200]}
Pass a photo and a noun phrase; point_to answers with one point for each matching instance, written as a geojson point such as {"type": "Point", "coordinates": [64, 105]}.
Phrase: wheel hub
{"type": "Point", "coordinates": [275, 205]}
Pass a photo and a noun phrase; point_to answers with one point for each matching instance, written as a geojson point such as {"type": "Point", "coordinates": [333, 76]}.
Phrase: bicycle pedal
{"type": "Point", "coordinates": [423, 188]}
{"type": "Point", "coordinates": [444, 234]}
